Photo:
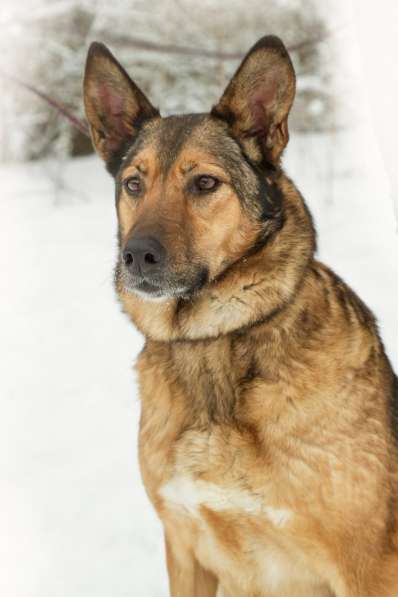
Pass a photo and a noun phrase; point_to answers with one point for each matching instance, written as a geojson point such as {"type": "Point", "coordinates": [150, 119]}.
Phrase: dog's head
{"type": "Point", "coordinates": [195, 193]}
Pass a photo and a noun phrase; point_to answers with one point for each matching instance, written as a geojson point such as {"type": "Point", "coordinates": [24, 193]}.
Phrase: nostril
{"type": "Point", "coordinates": [128, 258]}
{"type": "Point", "coordinates": [150, 258]}
{"type": "Point", "coordinates": [143, 255]}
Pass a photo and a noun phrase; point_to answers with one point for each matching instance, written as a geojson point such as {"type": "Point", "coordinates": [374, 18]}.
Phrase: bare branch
{"type": "Point", "coordinates": [150, 46]}
{"type": "Point", "coordinates": [79, 124]}
{"type": "Point", "coordinates": [143, 44]}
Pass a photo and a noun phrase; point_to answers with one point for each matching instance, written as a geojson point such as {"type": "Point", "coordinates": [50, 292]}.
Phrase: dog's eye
{"type": "Point", "coordinates": [133, 185]}
{"type": "Point", "coordinates": [206, 183]}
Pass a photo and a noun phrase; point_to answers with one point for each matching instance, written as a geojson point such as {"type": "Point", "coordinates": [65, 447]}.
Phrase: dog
{"type": "Point", "coordinates": [268, 435]}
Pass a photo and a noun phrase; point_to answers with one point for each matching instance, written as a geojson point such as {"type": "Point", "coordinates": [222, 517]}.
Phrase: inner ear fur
{"type": "Point", "coordinates": [257, 100]}
{"type": "Point", "coordinates": [115, 106]}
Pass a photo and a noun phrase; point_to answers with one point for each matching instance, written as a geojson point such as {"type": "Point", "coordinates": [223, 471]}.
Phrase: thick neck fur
{"type": "Point", "coordinates": [252, 290]}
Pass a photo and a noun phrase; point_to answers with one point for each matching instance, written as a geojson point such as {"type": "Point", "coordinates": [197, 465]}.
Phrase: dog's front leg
{"type": "Point", "coordinates": [187, 578]}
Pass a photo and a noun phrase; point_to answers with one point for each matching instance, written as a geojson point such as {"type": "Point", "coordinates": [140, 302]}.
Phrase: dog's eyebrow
{"type": "Point", "coordinates": [204, 165]}
{"type": "Point", "coordinates": [189, 167]}
{"type": "Point", "coordinates": [141, 168]}
{"type": "Point", "coordinates": [129, 169]}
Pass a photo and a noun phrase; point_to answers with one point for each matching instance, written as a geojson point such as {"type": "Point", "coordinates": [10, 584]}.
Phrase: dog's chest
{"type": "Point", "coordinates": [236, 532]}
{"type": "Point", "coordinates": [214, 502]}
{"type": "Point", "coordinates": [210, 484]}
{"type": "Point", "coordinates": [193, 498]}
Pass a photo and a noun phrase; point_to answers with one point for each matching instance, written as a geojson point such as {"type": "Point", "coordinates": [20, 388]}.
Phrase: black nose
{"type": "Point", "coordinates": [144, 254]}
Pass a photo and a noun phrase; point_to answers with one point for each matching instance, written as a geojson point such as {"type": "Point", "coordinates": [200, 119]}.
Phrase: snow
{"type": "Point", "coordinates": [76, 516]}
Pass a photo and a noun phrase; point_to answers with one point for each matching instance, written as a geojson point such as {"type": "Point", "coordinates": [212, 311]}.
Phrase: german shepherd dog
{"type": "Point", "coordinates": [268, 435]}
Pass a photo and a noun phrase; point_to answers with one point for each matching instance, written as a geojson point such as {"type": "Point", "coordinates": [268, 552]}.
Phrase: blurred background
{"type": "Point", "coordinates": [74, 515]}
{"type": "Point", "coordinates": [181, 52]}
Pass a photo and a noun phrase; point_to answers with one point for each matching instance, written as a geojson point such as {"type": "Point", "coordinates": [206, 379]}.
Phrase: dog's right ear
{"type": "Point", "coordinates": [115, 106]}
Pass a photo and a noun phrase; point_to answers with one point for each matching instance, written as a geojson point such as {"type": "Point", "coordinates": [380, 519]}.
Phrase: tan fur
{"type": "Point", "coordinates": [266, 282]}
{"type": "Point", "coordinates": [308, 434]}
{"type": "Point", "coordinates": [266, 436]}
{"type": "Point", "coordinates": [204, 227]}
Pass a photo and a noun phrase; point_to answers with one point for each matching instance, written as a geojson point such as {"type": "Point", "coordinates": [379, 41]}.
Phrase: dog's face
{"type": "Point", "coordinates": [194, 193]}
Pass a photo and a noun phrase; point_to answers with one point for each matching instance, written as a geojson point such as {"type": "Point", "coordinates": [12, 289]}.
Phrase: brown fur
{"type": "Point", "coordinates": [267, 433]}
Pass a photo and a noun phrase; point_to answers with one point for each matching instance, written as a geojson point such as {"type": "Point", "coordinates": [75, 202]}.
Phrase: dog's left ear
{"type": "Point", "coordinates": [257, 101]}
{"type": "Point", "coordinates": [115, 106]}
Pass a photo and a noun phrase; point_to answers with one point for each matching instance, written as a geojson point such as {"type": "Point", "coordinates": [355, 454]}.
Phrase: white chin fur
{"type": "Point", "coordinates": [178, 292]}
{"type": "Point", "coordinates": [149, 297]}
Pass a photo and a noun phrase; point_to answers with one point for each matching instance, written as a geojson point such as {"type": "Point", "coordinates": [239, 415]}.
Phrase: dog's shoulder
{"type": "Point", "coordinates": [340, 293]}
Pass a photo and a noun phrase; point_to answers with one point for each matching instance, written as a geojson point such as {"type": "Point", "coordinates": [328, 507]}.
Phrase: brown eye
{"type": "Point", "coordinates": [133, 185]}
{"type": "Point", "coordinates": [206, 183]}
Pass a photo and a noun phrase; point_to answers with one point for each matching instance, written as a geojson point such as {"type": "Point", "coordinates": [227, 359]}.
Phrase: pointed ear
{"type": "Point", "coordinates": [115, 106]}
{"type": "Point", "coordinates": [257, 101]}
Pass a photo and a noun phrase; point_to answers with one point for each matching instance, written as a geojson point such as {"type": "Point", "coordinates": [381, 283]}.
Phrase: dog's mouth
{"type": "Point", "coordinates": [163, 286]}
{"type": "Point", "coordinates": [149, 290]}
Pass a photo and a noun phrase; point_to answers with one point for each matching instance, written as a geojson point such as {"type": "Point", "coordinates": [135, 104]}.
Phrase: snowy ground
{"type": "Point", "coordinates": [76, 519]}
